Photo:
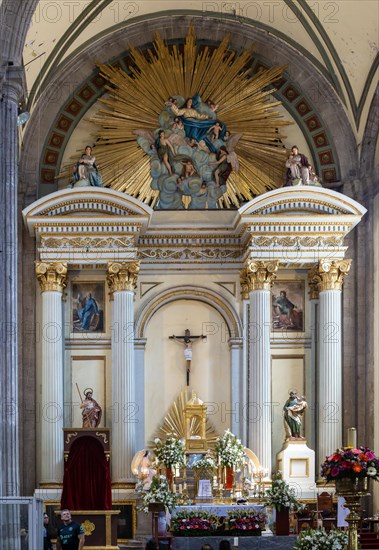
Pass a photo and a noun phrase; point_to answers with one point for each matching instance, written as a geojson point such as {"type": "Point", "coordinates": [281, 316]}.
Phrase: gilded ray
{"type": "Point", "coordinates": [135, 100]}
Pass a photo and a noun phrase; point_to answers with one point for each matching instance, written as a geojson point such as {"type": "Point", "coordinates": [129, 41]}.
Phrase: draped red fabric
{"type": "Point", "coordinates": [87, 480]}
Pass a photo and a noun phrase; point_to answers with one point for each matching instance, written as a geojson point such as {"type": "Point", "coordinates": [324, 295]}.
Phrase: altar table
{"type": "Point", "coordinates": [244, 543]}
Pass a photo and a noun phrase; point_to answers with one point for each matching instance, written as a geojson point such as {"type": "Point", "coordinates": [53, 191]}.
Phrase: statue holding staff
{"type": "Point", "coordinates": [91, 409]}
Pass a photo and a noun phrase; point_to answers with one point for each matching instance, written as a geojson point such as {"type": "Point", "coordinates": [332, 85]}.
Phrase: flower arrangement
{"type": "Point", "coordinates": [245, 522]}
{"type": "Point", "coordinates": [205, 463]}
{"type": "Point", "coordinates": [319, 539]}
{"type": "Point", "coordinates": [229, 450]}
{"type": "Point", "coordinates": [169, 452]}
{"type": "Point", "coordinates": [281, 495]}
{"type": "Point", "coordinates": [159, 492]}
{"type": "Point", "coordinates": [193, 523]}
{"type": "Point", "coordinates": [350, 462]}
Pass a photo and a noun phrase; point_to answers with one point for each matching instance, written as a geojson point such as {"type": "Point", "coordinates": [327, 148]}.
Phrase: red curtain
{"type": "Point", "coordinates": [87, 480]}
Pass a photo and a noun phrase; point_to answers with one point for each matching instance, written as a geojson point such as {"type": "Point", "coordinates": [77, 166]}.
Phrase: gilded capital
{"type": "Point", "coordinates": [260, 275]}
{"type": "Point", "coordinates": [52, 276]}
{"type": "Point", "coordinates": [244, 284]}
{"type": "Point", "coordinates": [122, 276]}
{"type": "Point", "coordinates": [332, 273]}
{"type": "Point", "coordinates": [314, 280]}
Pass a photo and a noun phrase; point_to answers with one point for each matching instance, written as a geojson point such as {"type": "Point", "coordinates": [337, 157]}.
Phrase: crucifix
{"type": "Point", "coordinates": [187, 340]}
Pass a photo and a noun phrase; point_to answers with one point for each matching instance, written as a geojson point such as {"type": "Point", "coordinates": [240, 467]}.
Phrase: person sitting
{"type": "Point", "coordinates": [86, 170]}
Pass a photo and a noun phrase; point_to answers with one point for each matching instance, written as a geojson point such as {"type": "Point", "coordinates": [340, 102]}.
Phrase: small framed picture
{"type": "Point", "coordinates": [88, 306]}
{"type": "Point", "coordinates": [288, 300]}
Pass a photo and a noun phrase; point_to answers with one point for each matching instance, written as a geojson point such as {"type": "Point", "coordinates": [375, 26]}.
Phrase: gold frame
{"type": "Point", "coordinates": [287, 282]}
{"type": "Point", "coordinates": [86, 332]}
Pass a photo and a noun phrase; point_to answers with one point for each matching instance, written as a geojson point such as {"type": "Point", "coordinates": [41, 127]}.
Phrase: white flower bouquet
{"type": "Point", "coordinates": [159, 492]}
{"type": "Point", "coordinates": [169, 452]}
{"type": "Point", "coordinates": [205, 463]}
{"type": "Point", "coordinates": [229, 450]}
{"type": "Point", "coordinates": [319, 539]}
{"type": "Point", "coordinates": [281, 495]}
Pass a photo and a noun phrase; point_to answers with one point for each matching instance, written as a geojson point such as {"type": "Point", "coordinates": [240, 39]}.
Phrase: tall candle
{"type": "Point", "coordinates": [180, 489]}
{"type": "Point", "coordinates": [235, 544]}
{"type": "Point", "coordinates": [352, 437]}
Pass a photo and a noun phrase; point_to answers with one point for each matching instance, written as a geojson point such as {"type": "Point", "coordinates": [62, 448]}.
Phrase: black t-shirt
{"type": "Point", "coordinates": [68, 535]}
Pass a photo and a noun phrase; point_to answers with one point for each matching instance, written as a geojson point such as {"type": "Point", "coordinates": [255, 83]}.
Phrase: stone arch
{"type": "Point", "coordinates": [189, 292]}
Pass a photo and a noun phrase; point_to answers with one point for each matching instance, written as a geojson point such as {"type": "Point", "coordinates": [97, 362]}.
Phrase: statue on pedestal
{"type": "Point", "coordinates": [293, 412]}
{"type": "Point", "coordinates": [91, 410]}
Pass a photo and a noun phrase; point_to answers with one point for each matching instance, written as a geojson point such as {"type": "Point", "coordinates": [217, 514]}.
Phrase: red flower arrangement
{"type": "Point", "coordinates": [192, 523]}
{"type": "Point", "coordinates": [352, 463]}
{"type": "Point", "coordinates": [245, 521]}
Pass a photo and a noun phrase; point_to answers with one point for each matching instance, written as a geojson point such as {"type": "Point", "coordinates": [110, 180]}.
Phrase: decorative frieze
{"type": "Point", "coordinates": [52, 276]}
{"type": "Point", "coordinates": [190, 253]}
{"type": "Point", "coordinates": [122, 276]}
{"type": "Point", "coordinates": [85, 243]}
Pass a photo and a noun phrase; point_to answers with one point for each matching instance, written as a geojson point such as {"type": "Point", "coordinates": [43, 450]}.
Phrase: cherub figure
{"type": "Point", "coordinates": [215, 130]}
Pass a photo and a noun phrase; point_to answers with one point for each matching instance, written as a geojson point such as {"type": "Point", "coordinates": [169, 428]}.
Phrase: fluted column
{"type": "Point", "coordinates": [122, 280]}
{"type": "Point", "coordinates": [313, 283]}
{"type": "Point", "coordinates": [237, 388]}
{"type": "Point", "coordinates": [52, 278]}
{"type": "Point", "coordinates": [11, 93]}
{"type": "Point", "coordinates": [331, 274]}
{"type": "Point", "coordinates": [259, 276]}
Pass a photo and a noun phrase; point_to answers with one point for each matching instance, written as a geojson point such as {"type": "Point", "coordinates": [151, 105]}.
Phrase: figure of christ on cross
{"type": "Point", "coordinates": [187, 340]}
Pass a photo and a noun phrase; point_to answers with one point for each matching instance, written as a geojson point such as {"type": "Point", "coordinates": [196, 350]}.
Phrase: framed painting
{"type": "Point", "coordinates": [87, 301]}
{"type": "Point", "coordinates": [288, 300]}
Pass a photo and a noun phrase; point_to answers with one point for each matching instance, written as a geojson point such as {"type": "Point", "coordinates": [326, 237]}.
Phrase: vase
{"type": "Point", "coordinates": [352, 489]}
{"type": "Point", "coordinates": [229, 478]}
{"type": "Point", "coordinates": [352, 485]}
{"type": "Point", "coordinates": [282, 522]}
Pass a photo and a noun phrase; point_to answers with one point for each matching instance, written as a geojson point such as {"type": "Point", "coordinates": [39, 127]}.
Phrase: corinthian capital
{"type": "Point", "coordinates": [260, 275]}
{"type": "Point", "coordinates": [122, 276]}
{"type": "Point", "coordinates": [332, 273]}
{"type": "Point", "coordinates": [52, 276]}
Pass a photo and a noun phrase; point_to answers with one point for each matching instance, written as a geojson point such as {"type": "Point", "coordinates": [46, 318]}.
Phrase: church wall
{"type": "Point", "coordinates": [376, 339]}
{"type": "Point", "coordinates": [165, 365]}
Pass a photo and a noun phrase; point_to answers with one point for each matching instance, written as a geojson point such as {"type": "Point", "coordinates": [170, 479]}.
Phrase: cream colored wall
{"type": "Point", "coordinates": [165, 365]}
{"type": "Point", "coordinates": [350, 26]}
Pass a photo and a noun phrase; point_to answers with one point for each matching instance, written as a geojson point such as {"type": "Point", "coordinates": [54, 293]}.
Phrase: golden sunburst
{"type": "Point", "coordinates": [174, 422]}
{"type": "Point", "coordinates": [136, 99]}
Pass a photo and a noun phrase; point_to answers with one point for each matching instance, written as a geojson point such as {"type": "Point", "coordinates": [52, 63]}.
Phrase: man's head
{"type": "Point", "coordinates": [66, 516]}
{"type": "Point", "coordinates": [295, 150]}
{"type": "Point", "coordinates": [283, 293]}
{"type": "Point", "coordinates": [293, 393]}
{"type": "Point", "coordinates": [45, 519]}
{"type": "Point", "coordinates": [88, 393]}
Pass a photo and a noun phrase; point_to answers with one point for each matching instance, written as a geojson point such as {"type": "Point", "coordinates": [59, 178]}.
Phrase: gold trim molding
{"type": "Point", "coordinates": [258, 275]}
{"type": "Point", "coordinates": [122, 276]}
{"type": "Point", "coordinates": [52, 276]}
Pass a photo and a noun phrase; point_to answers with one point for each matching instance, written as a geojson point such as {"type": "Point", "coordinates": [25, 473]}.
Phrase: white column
{"type": "Point", "coordinates": [122, 279]}
{"type": "Point", "coordinates": [260, 276]}
{"type": "Point", "coordinates": [330, 360]}
{"type": "Point", "coordinates": [139, 358]}
{"type": "Point", "coordinates": [52, 279]}
{"type": "Point", "coordinates": [236, 394]}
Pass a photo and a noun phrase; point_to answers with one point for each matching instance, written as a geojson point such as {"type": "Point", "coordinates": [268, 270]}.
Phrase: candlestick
{"type": "Point", "coordinates": [352, 437]}
{"type": "Point", "coordinates": [235, 543]}
{"type": "Point", "coordinates": [180, 488]}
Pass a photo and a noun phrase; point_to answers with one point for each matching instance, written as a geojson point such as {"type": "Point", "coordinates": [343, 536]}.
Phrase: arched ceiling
{"type": "Point", "coordinates": [340, 37]}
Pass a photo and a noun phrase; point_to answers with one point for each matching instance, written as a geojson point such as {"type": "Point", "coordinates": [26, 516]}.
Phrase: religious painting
{"type": "Point", "coordinates": [88, 307]}
{"type": "Point", "coordinates": [288, 300]}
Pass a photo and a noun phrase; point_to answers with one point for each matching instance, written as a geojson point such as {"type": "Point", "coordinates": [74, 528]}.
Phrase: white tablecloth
{"type": "Point", "coordinates": [219, 509]}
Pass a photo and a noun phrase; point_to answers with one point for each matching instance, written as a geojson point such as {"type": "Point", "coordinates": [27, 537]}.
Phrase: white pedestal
{"type": "Point", "coordinates": [296, 461]}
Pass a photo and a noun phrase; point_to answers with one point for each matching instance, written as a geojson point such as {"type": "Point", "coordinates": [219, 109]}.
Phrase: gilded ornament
{"type": "Point", "coordinates": [260, 275]}
{"type": "Point", "coordinates": [314, 280]}
{"type": "Point", "coordinates": [52, 276]}
{"type": "Point", "coordinates": [244, 284]}
{"type": "Point", "coordinates": [332, 273]}
{"type": "Point", "coordinates": [122, 276]}
{"type": "Point", "coordinates": [88, 527]}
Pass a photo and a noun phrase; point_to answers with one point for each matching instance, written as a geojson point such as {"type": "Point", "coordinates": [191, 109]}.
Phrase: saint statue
{"type": "Point", "coordinates": [91, 410]}
{"type": "Point", "coordinates": [86, 171]}
{"type": "Point", "coordinates": [293, 412]}
{"type": "Point", "coordinates": [191, 154]}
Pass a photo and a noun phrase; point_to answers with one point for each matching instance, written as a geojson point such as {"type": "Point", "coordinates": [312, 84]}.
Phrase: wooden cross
{"type": "Point", "coordinates": [187, 340]}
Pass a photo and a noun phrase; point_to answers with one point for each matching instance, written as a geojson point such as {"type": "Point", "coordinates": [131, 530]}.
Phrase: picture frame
{"type": "Point", "coordinates": [288, 304]}
{"type": "Point", "coordinates": [87, 307]}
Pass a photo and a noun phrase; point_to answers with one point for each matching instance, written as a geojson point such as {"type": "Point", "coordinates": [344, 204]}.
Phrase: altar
{"type": "Point", "coordinates": [244, 543]}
